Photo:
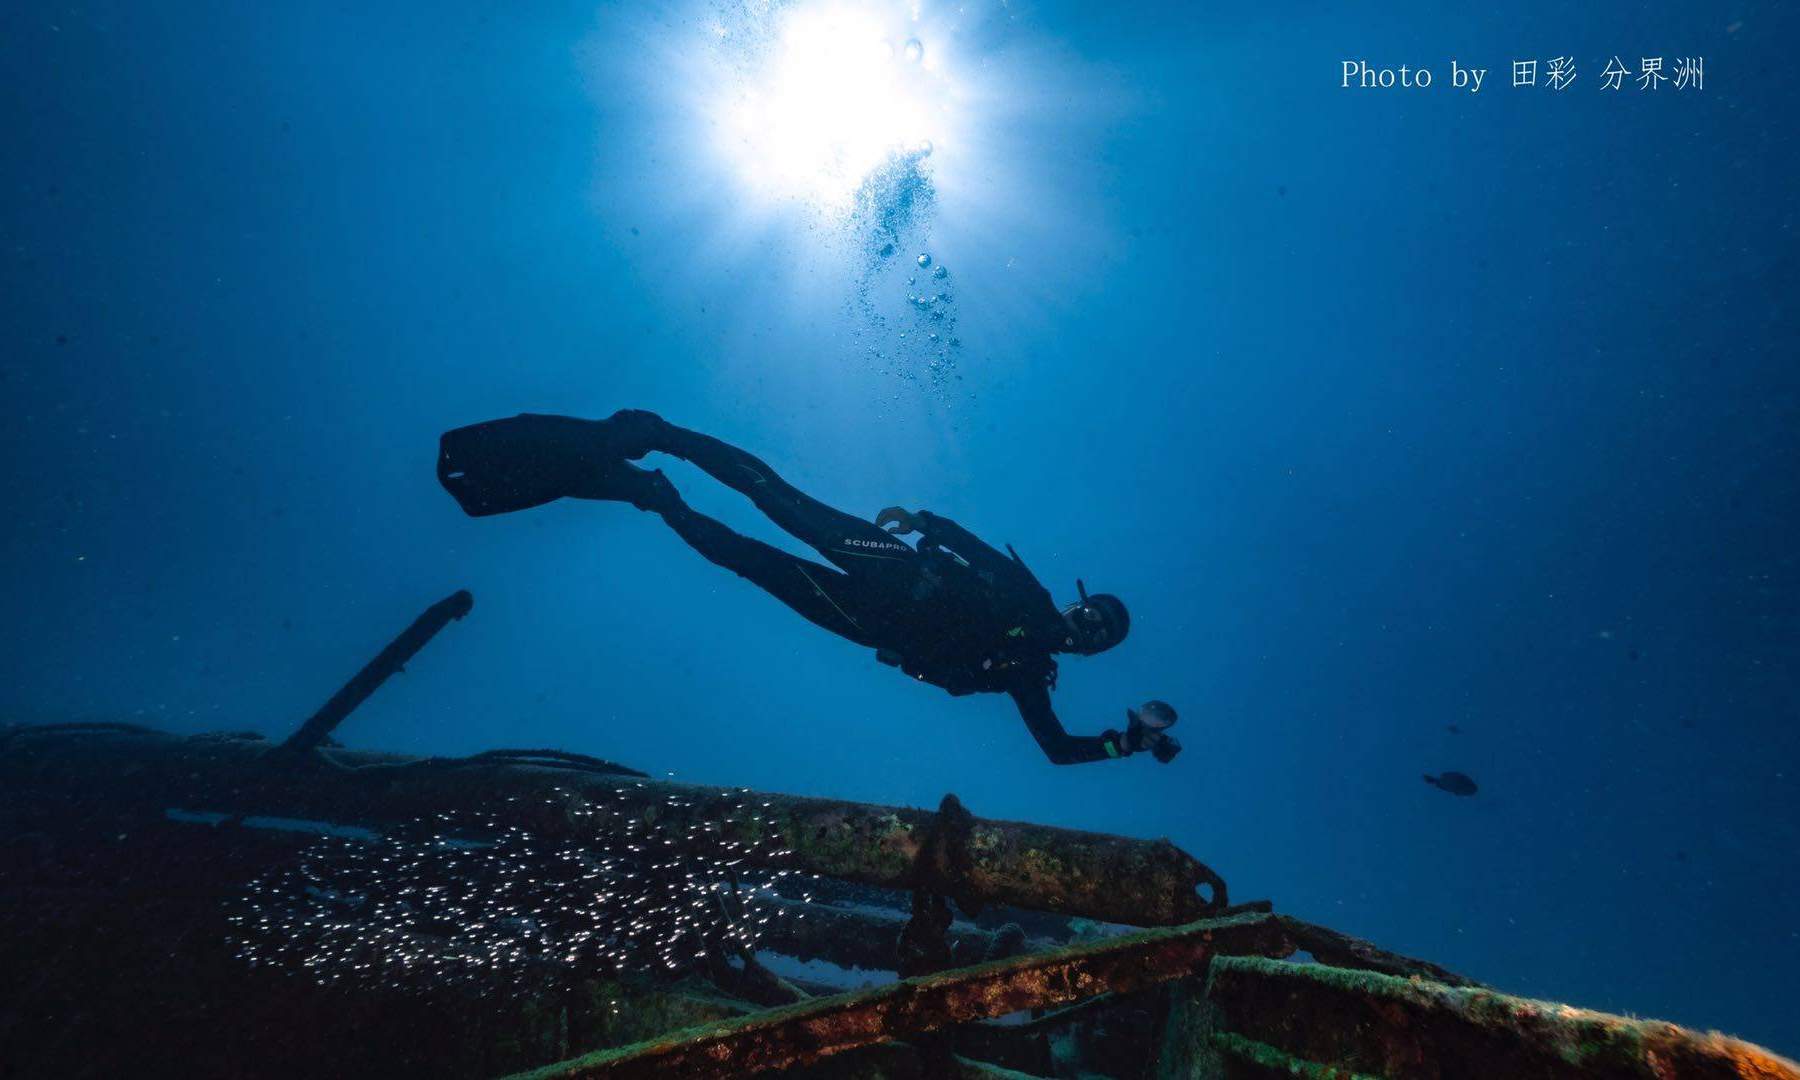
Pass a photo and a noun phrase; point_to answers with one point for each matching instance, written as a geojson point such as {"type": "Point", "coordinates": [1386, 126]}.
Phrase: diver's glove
{"type": "Point", "coordinates": [898, 521]}
{"type": "Point", "coordinates": [1148, 730]}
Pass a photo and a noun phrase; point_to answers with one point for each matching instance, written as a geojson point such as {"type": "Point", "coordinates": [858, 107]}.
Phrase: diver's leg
{"type": "Point", "coordinates": [849, 541]}
{"type": "Point", "coordinates": [822, 595]}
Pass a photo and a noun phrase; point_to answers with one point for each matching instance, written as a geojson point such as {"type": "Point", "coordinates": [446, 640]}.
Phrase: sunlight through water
{"type": "Point", "coordinates": [830, 94]}
{"type": "Point", "coordinates": [823, 146]}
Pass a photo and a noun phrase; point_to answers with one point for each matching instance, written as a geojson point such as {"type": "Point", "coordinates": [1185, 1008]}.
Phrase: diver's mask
{"type": "Point", "coordinates": [1097, 622]}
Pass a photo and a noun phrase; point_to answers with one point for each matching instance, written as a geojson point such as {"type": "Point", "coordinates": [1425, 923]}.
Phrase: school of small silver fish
{"type": "Point", "coordinates": [463, 897]}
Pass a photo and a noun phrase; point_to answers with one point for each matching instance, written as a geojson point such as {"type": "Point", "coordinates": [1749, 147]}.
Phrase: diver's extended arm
{"type": "Point", "coordinates": [1059, 746]}
{"type": "Point", "coordinates": [974, 550]}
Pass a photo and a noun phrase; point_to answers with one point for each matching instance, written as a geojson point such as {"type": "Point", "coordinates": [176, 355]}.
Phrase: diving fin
{"type": "Point", "coordinates": [501, 466]}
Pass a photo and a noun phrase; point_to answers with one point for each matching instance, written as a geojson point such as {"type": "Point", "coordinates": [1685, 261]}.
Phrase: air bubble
{"type": "Point", "coordinates": [914, 51]}
{"type": "Point", "coordinates": [924, 259]}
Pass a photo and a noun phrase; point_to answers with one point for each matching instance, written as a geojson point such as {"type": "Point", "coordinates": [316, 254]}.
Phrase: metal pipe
{"type": "Point", "coordinates": [389, 661]}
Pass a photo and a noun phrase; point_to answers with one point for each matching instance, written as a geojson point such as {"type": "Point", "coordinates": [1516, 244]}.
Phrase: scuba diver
{"type": "Point", "coordinates": [950, 610]}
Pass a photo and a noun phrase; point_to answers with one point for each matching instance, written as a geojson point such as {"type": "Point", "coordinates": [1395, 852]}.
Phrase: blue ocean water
{"type": "Point", "coordinates": [1420, 429]}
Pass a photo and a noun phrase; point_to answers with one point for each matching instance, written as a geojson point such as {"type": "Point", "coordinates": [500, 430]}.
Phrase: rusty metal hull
{"type": "Point", "coordinates": [114, 938]}
{"type": "Point", "coordinates": [1092, 875]}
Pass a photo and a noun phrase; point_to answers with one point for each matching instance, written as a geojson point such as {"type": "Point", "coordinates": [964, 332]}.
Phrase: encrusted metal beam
{"type": "Point", "coordinates": [1359, 1022]}
{"type": "Point", "coordinates": [980, 861]}
{"type": "Point", "coordinates": [1341, 950]}
{"type": "Point", "coordinates": [803, 1034]}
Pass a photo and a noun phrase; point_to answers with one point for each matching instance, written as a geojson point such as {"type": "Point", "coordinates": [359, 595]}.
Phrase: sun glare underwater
{"type": "Point", "coordinates": [842, 138]}
{"type": "Point", "coordinates": [832, 94]}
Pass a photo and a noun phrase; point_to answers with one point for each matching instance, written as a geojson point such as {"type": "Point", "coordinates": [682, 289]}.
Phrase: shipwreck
{"type": "Point", "coordinates": [224, 905]}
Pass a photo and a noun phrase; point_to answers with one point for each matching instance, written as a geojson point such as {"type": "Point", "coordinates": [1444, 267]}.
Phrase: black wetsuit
{"type": "Point", "coordinates": [952, 612]}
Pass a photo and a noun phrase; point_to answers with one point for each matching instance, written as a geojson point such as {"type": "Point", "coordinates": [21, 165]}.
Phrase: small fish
{"type": "Point", "coordinates": [1454, 782]}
